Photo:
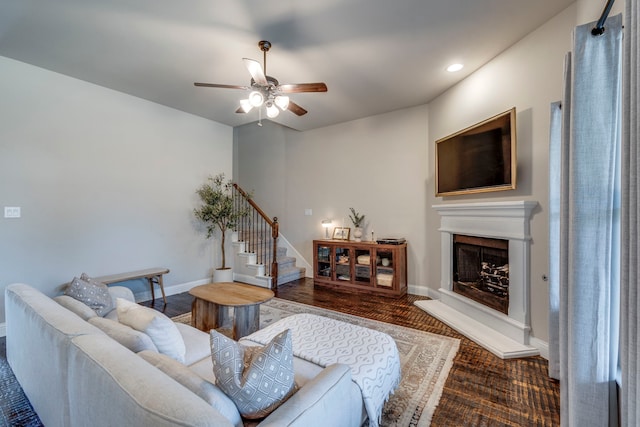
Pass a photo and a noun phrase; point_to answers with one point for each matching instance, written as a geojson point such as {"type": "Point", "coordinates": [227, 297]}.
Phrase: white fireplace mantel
{"type": "Point", "coordinates": [505, 335]}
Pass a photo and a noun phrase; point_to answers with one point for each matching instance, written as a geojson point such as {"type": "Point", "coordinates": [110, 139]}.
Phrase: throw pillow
{"type": "Point", "coordinates": [162, 331]}
{"type": "Point", "coordinates": [135, 341]}
{"type": "Point", "coordinates": [94, 294]}
{"type": "Point", "coordinates": [257, 379]}
{"type": "Point", "coordinates": [194, 382]}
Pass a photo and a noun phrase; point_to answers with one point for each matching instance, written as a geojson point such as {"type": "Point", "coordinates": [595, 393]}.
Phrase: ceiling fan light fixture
{"type": "Point", "coordinates": [246, 106]}
{"type": "Point", "coordinates": [256, 98]}
{"type": "Point", "coordinates": [272, 111]}
{"type": "Point", "coordinates": [266, 90]}
{"type": "Point", "coordinates": [282, 102]}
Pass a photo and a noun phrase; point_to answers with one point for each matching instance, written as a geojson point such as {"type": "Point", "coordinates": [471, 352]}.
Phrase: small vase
{"type": "Point", "coordinates": [357, 234]}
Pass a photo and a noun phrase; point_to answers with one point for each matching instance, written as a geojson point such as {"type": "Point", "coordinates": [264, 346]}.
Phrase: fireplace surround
{"type": "Point", "coordinates": [504, 334]}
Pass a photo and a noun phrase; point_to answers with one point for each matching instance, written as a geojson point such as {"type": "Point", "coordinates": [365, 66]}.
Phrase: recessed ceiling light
{"type": "Point", "coordinates": [454, 67]}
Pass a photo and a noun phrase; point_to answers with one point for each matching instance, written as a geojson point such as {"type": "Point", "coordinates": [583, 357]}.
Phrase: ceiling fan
{"type": "Point", "coordinates": [266, 90]}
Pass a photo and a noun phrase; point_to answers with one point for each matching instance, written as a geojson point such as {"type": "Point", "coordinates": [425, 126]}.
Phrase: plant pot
{"type": "Point", "coordinates": [222, 275]}
{"type": "Point", "coordinates": [357, 234]}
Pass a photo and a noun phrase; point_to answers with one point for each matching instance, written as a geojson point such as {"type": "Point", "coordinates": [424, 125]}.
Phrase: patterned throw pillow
{"type": "Point", "coordinates": [257, 379]}
{"type": "Point", "coordinates": [94, 294]}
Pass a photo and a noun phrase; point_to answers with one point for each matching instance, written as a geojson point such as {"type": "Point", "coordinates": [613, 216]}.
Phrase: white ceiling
{"type": "Point", "coordinates": [374, 55]}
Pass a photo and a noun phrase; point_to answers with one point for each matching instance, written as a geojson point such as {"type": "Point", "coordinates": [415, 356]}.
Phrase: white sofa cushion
{"type": "Point", "coordinates": [257, 379]}
{"type": "Point", "coordinates": [203, 388]}
{"type": "Point", "coordinates": [196, 343]}
{"type": "Point", "coordinates": [81, 309]}
{"type": "Point", "coordinates": [134, 340]}
{"type": "Point", "coordinates": [162, 331]}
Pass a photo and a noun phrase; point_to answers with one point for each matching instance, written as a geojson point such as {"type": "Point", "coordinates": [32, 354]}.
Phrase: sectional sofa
{"type": "Point", "coordinates": [79, 369]}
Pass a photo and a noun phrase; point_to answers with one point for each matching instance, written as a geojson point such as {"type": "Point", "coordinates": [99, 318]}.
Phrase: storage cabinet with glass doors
{"type": "Point", "coordinates": [361, 266]}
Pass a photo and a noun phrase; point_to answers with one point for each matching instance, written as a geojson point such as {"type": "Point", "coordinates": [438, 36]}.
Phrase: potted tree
{"type": "Point", "coordinates": [217, 212]}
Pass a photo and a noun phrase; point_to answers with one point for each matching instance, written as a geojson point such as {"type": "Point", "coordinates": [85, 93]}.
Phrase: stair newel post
{"type": "Point", "coordinates": [274, 257]}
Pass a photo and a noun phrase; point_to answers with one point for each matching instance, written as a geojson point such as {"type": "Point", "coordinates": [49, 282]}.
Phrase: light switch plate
{"type": "Point", "coordinates": [308, 212]}
{"type": "Point", "coordinates": [11, 212]}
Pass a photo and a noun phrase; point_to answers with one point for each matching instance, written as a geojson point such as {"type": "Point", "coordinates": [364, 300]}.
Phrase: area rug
{"type": "Point", "coordinates": [15, 409]}
{"type": "Point", "coordinates": [425, 359]}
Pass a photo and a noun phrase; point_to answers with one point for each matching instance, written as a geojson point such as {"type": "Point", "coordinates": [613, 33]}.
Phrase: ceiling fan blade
{"type": "Point", "coordinates": [255, 69]}
{"type": "Point", "coordinates": [296, 109]}
{"type": "Point", "coordinates": [221, 86]}
{"type": "Point", "coordinates": [303, 87]}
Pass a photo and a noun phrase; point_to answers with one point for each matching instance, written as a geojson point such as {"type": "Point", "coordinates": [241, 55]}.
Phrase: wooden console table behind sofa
{"type": "Point", "coordinates": [153, 275]}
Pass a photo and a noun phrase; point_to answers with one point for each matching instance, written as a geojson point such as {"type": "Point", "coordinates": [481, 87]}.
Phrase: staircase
{"type": "Point", "coordinates": [287, 269]}
{"type": "Point", "coordinates": [258, 257]}
{"type": "Point", "coordinates": [246, 269]}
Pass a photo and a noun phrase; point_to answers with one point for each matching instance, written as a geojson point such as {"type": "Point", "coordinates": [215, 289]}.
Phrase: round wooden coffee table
{"type": "Point", "coordinates": [210, 308]}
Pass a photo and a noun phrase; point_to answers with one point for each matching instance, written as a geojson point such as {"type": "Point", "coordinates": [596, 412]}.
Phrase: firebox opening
{"type": "Point", "coordinates": [481, 270]}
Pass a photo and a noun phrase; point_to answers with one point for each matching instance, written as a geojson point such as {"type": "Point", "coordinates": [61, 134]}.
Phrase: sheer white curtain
{"type": "Point", "coordinates": [555, 146]}
{"type": "Point", "coordinates": [584, 249]}
{"type": "Point", "coordinates": [630, 259]}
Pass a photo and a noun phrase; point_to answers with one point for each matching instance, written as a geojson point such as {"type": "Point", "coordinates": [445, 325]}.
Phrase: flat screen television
{"type": "Point", "coordinates": [478, 159]}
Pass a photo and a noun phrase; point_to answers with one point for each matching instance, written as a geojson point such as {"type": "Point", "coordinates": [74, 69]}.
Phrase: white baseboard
{"type": "Point", "coordinates": [423, 291]}
{"type": "Point", "coordinates": [417, 290]}
{"type": "Point", "coordinates": [542, 346]}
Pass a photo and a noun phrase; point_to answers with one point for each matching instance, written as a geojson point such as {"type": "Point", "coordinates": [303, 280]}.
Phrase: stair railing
{"type": "Point", "coordinates": [258, 232]}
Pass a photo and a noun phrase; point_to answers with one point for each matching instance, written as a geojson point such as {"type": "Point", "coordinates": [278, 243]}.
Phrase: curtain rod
{"type": "Point", "coordinates": [599, 28]}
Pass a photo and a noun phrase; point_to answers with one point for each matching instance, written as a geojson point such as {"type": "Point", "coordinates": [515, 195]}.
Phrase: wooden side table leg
{"type": "Point", "coordinates": [153, 296]}
{"type": "Point", "coordinates": [161, 284]}
{"type": "Point", "coordinates": [158, 280]}
{"type": "Point", "coordinates": [246, 320]}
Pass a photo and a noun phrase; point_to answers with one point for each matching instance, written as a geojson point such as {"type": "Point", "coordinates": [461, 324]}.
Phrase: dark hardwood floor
{"type": "Point", "coordinates": [481, 390]}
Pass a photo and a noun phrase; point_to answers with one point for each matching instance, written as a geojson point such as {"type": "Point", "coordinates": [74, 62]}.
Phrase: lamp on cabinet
{"type": "Point", "coordinates": [326, 223]}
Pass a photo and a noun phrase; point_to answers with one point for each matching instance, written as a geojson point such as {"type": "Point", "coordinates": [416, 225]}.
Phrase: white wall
{"type": "Point", "coordinates": [383, 165]}
{"type": "Point", "coordinates": [106, 181]}
{"type": "Point", "coordinates": [376, 165]}
{"type": "Point", "coordinates": [259, 163]}
{"type": "Point", "coordinates": [529, 77]}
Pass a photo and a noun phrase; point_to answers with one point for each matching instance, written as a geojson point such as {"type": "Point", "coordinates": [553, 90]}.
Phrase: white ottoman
{"type": "Point", "coordinates": [372, 355]}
